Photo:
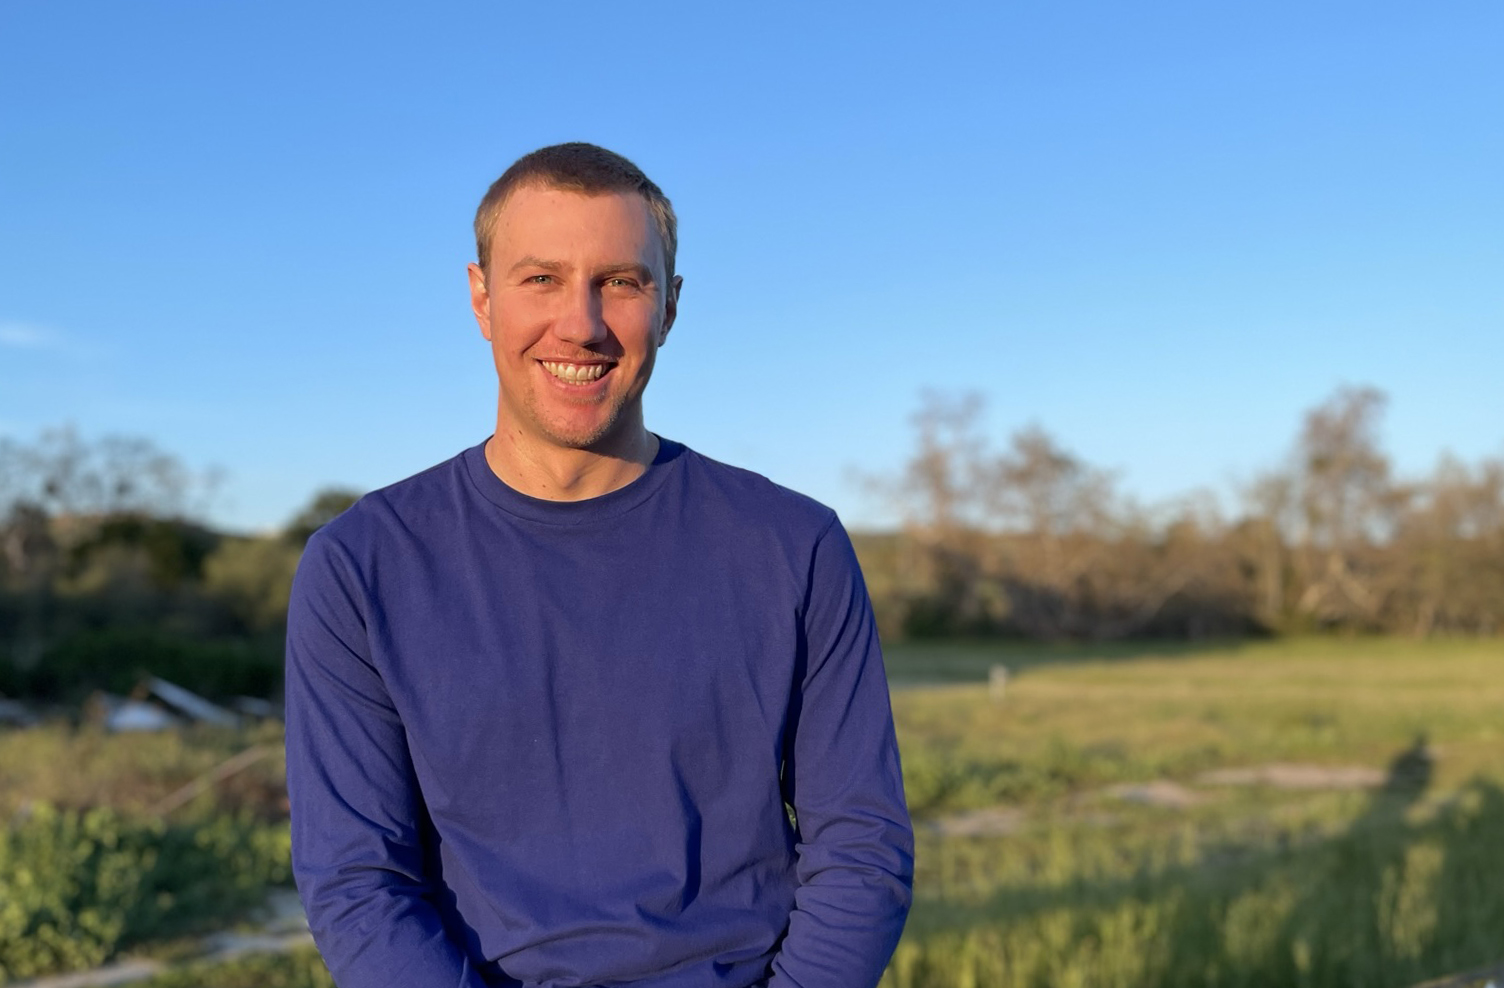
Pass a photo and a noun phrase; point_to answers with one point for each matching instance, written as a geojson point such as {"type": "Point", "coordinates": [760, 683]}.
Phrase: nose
{"type": "Point", "coordinates": [580, 319]}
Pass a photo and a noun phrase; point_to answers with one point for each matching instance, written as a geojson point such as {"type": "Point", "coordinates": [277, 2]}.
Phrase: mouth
{"type": "Point", "coordinates": [576, 373]}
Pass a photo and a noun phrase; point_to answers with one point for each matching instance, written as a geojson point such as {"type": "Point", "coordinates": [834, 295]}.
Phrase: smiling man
{"type": "Point", "coordinates": [581, 706]}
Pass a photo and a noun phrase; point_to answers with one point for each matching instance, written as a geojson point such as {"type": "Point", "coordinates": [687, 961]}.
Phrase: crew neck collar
{"type": "Point", "coordinates": [538, 509]}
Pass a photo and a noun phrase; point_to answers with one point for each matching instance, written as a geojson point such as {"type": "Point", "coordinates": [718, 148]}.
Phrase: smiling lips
{"type": "Point", "coordinates": [575, 373]}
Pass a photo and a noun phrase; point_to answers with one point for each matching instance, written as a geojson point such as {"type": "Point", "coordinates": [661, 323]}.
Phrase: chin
{"type": "Point", "coordinates": [581, 437]}
{"type": "Point", "coordinates": [586, 432]}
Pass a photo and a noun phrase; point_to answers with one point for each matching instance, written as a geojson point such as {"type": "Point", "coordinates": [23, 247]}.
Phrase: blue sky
{"type": "Point", "coordinates": [1160, 230]}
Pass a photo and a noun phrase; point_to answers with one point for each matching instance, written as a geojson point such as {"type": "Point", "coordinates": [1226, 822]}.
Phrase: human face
{"type": "Point", "coordinates": [575, 306]}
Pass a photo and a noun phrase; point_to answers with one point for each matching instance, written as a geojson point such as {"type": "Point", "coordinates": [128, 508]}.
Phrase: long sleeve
{"type": "Point", "coordinates": [856, 844]}
{"type": "Point", "coordinates": [356, 811]}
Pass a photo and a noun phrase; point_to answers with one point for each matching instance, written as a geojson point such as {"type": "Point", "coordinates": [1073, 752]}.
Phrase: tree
{"type": "Point", "coordinates": [1344, 484]}
{"type": "Point", "coordinates": [253, 578]}
{"type": "Point", "coordinates": [24, 541]}
{"type": "Point", "coordinates": [1343, 504]}
{"type": "Point", "coordinates": [65, 476]}
{"type": "Point", "coordinates": [95, 532]}
{"type": "Point", "coordinates": [936, 494]}
{"type": "Point", "coordinates": [326, 504]}
{"type": "Point", "coordinates": [1446, 566]}
{"type": "Point", "coordinates": [1033, 540]}
{"type": "Point", "coordinates": [1058, 514]}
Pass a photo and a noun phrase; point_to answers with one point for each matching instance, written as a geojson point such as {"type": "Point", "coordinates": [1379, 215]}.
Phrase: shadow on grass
{"type": "Point", "coordinates": [1402, 894]}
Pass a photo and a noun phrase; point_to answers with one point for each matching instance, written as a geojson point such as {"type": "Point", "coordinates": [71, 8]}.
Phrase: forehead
{"type": "Point", "coordinates": [563, 225]}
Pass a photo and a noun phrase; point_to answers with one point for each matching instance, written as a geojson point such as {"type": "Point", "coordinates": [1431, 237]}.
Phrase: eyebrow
{"type": "Point", "coordinates": [640, 271]}
{"type": "Point", "coordinates": [535, 262]}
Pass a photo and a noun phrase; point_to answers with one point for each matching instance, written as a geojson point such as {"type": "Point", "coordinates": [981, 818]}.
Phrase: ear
{"type": "Point", "coordinates": [670, 308]}
{"type": "Point", "coordinates": [480, 299]}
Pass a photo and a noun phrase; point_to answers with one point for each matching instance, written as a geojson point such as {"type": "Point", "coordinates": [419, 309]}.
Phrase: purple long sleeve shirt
{"type": "Point", "coordinates": [550, 743]}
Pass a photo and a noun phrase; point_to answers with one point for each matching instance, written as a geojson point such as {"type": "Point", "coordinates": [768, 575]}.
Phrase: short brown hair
{"type": "Point", "coordinates": [576, 167]}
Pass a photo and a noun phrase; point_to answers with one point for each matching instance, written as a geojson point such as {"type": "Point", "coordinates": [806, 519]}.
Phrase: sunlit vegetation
{"type": "Point", "coordinates": [1081, 885]}
{"type": "Point", "coordinates": [297, 969]}
{"type": "Point", "coordinates": [1030, 541]}
{"type": "Point", "coordinates": [79, 887]}
{"type": "Point", "coordinates": [1072, 824]}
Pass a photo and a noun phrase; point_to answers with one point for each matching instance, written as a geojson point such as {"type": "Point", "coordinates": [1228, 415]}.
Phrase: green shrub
{"type": "Point", "coordinates": [75, 887]}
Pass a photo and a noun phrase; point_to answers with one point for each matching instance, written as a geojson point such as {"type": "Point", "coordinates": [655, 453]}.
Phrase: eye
{"type": "Point", "coordinates": [538, 279]}
{"type": "Point", "coordinates": [621, 282]}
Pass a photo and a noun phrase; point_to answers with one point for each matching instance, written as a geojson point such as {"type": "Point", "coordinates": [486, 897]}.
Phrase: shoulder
{"type": "Point", "coordinates": [751, 500]}
{"type": "Point", "coordinates": [415, 506]}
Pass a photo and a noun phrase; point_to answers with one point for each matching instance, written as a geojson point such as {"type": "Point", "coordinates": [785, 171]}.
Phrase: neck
{"type": "Point", "coordinates": [557, 473]}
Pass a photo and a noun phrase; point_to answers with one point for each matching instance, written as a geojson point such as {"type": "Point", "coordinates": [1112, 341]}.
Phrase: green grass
{"type": "Point", "coordinates": [297, 969]}
{"type": "Point", "coordinates": [86, 768]}
{"type": "Point", "coordinates": [1250, 886]}
{"type": "Point", "coordinates": [1076, 718]}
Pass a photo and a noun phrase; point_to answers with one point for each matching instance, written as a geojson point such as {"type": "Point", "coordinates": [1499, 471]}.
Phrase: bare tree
{"type": "Point", "coordinates": [63, 475]}
{"type": "Point", "coordinates": [938, 489]}
{"type": "Point", "coordinates": [1262, 540]}
{"type": "Point", "coordinates": [1446, 559]}
{"type": "Point", "coordinates": [1056, 515]}
{"type": "Point", "coordinates": [1346, 504]}
{"type": "Point", "coordinates": [936, 495]}
{"type": "Point", "coordinates": [1034, 540]}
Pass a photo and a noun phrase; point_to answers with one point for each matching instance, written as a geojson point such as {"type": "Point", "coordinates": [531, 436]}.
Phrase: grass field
{"type": "Point", "coordinates": [1069, 832]}
{"type": "Point", "coordinates": [1079, 884]}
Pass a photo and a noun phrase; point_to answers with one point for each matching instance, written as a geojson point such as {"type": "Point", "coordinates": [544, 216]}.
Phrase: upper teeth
{"type": "Point", "coordinates": [574, 373]}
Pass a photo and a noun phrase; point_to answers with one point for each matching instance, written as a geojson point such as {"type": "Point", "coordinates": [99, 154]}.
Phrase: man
{"type": "Point", "coordinates": [548, 700]}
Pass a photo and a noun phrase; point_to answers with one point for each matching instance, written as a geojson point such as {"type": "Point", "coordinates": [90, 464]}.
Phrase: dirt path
{"type": "Point", "coordinates": [1002, 820]}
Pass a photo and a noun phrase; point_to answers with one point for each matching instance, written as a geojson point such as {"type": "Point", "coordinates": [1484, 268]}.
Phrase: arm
{"type": "Point", "coordinates": [856, 850]}
{"type": "Point", "coordinates": [356, 851]}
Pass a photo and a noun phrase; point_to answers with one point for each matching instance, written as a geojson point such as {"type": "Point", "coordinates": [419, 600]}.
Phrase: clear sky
{"type": "Point", "coordinates": [1159, 230]}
